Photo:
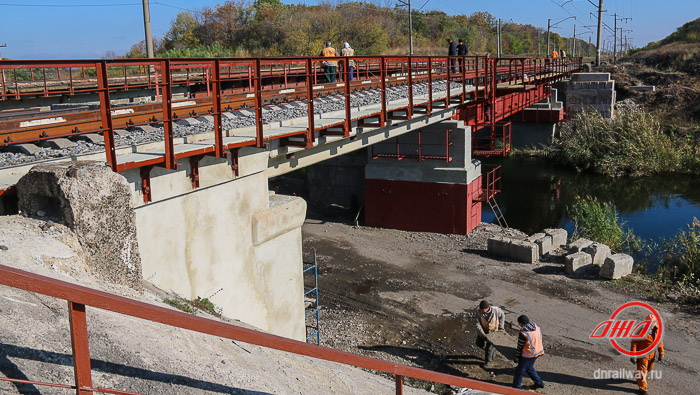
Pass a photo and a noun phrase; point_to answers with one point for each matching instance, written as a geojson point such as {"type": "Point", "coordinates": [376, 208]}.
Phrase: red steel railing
{"type": "Point", "coordinates": [79, 297]}
{"type": "Point", "coordinates": [232, 83]}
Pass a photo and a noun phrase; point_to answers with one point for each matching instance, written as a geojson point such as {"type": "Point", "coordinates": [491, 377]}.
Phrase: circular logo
{"type": "Point", "coordinates": [653, 345]}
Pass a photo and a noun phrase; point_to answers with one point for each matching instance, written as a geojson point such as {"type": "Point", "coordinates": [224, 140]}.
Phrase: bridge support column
{"type": "Point", "coordinates": [229, 240]}
{"type": "Point", "coordinates": [424, 181]}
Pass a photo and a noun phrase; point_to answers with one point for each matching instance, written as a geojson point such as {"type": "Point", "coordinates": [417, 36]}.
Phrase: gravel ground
{"type": "Point", "coordinates": [409, 297]}
{"type": "Point", "coordinates": [238, 120]}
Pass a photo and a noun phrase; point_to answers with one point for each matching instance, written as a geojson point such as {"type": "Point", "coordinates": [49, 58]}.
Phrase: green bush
{"type": "Point", "coordinates": [598, 221]}
{"type": "Point", "coordinates": [681, 257]}
{"type": "Point", "coordinates": [630, 144]}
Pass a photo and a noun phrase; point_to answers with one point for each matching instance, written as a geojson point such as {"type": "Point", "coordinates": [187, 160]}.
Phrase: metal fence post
{"type": "Point", "coordinates": [348, 117]}
{"type": "Point", "coordinates": [259, 136]}
{"type": "Point", "coordinates": [168, 116]}
{"type": "Point", "coordinates": [399, 385]}
{"type": "Point", "coordinates": [106, 114]}
{"type": "Point", "coordinates": [410, 88]}
{"type": "Point", "coordinates": [383, 74]}
{"type": "Point", "coordinates": [218, 122]}
{"type": "Point", "coordinates": [81, 348]}
{"type": "Point", "coordinates": [311, 135]}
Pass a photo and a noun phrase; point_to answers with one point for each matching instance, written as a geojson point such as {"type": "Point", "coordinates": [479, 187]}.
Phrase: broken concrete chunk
{"type": "Point", "coordinates": [94, 202]}
{"type": "Point", "coordinates": [617, 266]}
{"type": "Point", "coordinates": [559, 237]}
{"type": "Point", "coordinates": [577, 263]}
{"type": "Point", "coordinates": [598, 252]}
{"type": "Point", "coordinates": [579, 245]}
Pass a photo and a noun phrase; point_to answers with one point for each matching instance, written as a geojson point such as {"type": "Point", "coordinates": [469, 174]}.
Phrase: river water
{"type": "Point", "coordinates": [536, 195]}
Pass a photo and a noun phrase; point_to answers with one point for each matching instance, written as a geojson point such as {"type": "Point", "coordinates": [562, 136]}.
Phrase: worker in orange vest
{"type": "Point", "coordinates": [330, 66]}
{"type": "Point", "coordinates": [646, 363]}
{"type": "Point", "coordinates": [528, 350]}
{"type": "Point", "coordinates": [488, 319]}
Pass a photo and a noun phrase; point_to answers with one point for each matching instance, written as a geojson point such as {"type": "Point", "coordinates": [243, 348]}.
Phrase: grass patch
{"type": "Point", "coordinates": [631, 144]}
{"type": "Point", "coordinates": [180, 304]}
{"type": "Point", "coordinates": [191, 306]}
{"type": "Point", "coordinates": [681, 261]}
{"type": "Point", "coordinates": [599, 221]}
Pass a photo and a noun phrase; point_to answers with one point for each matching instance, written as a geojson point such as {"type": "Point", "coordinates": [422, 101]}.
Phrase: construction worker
{"type": "Point", "coordinates": [452, 51]}
{"type": "Point", "coordinates": [646, 363]}
{"type": "Point", "coordinates": [488, 319]}
{"type": "Point", "coordinates": [347, 51]}
{"type": "Point", "coordinates": [555, 54]}
{"type": "Point", "coordinates": [330, 66]}
{"type": "Point", "coordinates": [462, 50]}
{"type": "Point", "coordinates": [528, 350]}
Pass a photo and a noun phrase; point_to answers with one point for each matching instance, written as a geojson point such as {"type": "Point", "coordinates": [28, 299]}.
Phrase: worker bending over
{"type": "Point", "coordinates": [488, 319]}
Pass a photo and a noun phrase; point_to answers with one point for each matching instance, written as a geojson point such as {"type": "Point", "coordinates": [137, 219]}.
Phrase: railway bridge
{"type": "Point", "coordinates": [213, 131]}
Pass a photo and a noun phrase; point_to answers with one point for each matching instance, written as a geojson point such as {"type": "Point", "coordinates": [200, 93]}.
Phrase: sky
{"type": "Point", "coordinates": [85, 29]}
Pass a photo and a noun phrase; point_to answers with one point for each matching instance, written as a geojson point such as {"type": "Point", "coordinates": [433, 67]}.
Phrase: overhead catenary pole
{"type": "Point", "coordinates": [498, 44]}
{"type": "Point", "coordinates": [549, 23]}
{"type": "Point", "coordinates": [615, 40]}
{"type": "Point", "coordinates": [600, 29]}
{"type": "Point", "coordinates": [573, 51]}
{"type": "Point", "coordinates": [410, 29]}
{"type": "Point", "coordinates": [147, 28]}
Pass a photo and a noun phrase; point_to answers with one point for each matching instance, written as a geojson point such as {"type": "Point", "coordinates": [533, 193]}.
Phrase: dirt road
{"type": "Point", "coordinates": [409, 297]}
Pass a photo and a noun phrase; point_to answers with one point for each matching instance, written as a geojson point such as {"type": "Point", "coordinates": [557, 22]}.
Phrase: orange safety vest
{"type": "Point", "coordinates": [643, 344]}
{"type": "Point", "coordinates": [329, 52]}
{"type": "Point", "coordinates": [555, 54]}
{"type": "Point", "coordinates": [533, 345]}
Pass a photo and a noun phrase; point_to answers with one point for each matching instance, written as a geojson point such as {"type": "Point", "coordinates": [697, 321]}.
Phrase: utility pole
{"type": "Point", "coordinates": [410, 28]}
{"type": "Point", "coordinates": [573, 52]}
{"type": "Point", "coordinates": [589, 45]}
{"type": "Point", "coordinates": [498, 43]}
{"type": "Point", "coordinates": [600, 29]}
{"type": "Point", "coordinates": [549, 22]}
{"type": "Point", "coordinates": [147, 27]}
{"type": "Point", "coordinates": [407, 3]}
{"type": "Point", "coordinates": [539, 39]}
{"type": "Point", "coordinates": [615, 40]}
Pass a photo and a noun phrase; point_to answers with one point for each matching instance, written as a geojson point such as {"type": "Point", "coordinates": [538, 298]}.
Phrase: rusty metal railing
{"type": "Point", "coordinates": [80, 297]}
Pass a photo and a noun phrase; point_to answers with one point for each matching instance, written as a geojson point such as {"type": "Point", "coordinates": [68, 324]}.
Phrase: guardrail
{"type": "Point", "coordinates": [80, 297]}
{"type": "Point", "coordinates": [254, 83]}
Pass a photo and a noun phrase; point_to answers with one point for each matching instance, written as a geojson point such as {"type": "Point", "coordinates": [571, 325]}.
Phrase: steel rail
{"type": "Point", "coordinates": [79, 297]}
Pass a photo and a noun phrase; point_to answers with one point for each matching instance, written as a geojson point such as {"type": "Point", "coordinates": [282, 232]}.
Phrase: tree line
{"type": "Point", "coordinates": [271, 28]}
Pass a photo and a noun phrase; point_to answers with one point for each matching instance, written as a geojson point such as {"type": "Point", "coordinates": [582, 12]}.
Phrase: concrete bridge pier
{"type": "Point", "coordinates": [425, 181]}
{"type": "Point", "coordinates": [229, 240]}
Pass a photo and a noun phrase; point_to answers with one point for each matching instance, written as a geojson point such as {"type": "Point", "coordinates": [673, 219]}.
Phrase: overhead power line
{"type": "Point", "coordinates": [68, 5]}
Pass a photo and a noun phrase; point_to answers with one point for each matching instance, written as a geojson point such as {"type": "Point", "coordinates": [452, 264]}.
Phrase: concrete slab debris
{"type": "Point", "coordinates": [579, 245]}
{"type": "Point", "coordinates": [577, 263]}
{"type": "Point", "coordinates": [519, 250]}
{"type": "Point", "coordinates": [598, 253]}
{"type": "Point", "coordinates": [617, 266]}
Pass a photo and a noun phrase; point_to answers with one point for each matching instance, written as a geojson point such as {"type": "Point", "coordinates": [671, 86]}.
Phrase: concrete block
{"type": "Point", "coordinates": [524, 251]}
{"type": "Point", "coordinates": [24, 148]}
{"type": "Point", "coordinates": [598, 252]}
{"type": "Point", "coordinates": [579, 245]}
{"type": "Point", "coordinates": [617, 266]}
{"type": "Point", "coordinates": [59, 143]}
{"type": "Point", "coordinates": [187, 122]}
{"type": "Point", "coordinates": [544, 244]}
{"type": "Point", "coordinates": [93, 138]}
{"type": "Point", "coordinates": [590, 77]}
{"type": "Point", "coordinates": [577, 263]}
{"type": "Point", "coordinates": [498, 246]}
{"type": "Point", "coordinates": [559, 236]}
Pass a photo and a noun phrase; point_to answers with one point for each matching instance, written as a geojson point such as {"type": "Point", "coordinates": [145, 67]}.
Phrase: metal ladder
{"type": "Point", "coordinates": [497, 212]}
{"type": "Point", "coordinates": [314, 308]}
